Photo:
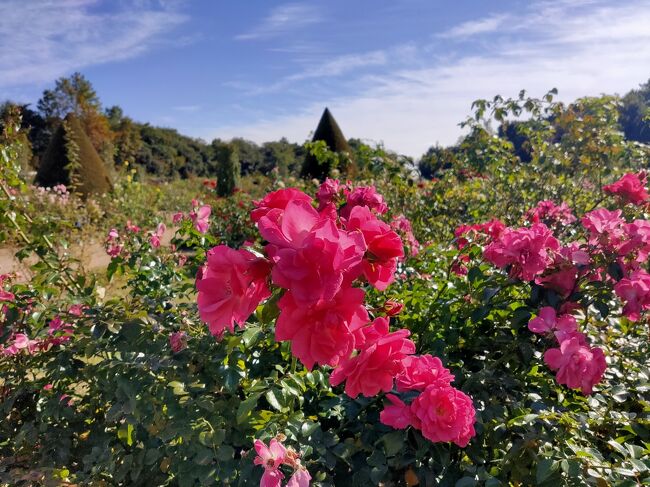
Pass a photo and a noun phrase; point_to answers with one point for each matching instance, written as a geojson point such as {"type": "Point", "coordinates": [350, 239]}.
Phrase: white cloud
{"type": "Point", "coordinates": [284, 18]}
{"type": "Point", "coordinates": [474, 27]}
{"type": "Point", "coordinates": [581, 51]}
{"type": "Point", "coordinates": [44, 39]}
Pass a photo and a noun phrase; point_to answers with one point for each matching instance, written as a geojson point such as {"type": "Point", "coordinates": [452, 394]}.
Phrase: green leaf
{"type": "Point", "coordinates": [545, 468]}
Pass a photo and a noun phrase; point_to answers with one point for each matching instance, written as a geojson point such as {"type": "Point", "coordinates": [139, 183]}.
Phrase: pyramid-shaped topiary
{"type": "Point", "coordinates": [329, 132]}
{"type": "Point", "coordinates": [72, 160]}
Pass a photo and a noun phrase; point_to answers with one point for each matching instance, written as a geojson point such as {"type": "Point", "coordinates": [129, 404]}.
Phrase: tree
{"type": "Point", "coordinates": [635, 113]}
{"type": "Point", "coordinates": [329, 132]}
{"type": "Point", "coordinates": [228, 168]}
{"type": "Point", "coordinates": [76, 95]}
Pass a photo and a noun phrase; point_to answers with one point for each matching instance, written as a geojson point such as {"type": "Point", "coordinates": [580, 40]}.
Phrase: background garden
{"type": "Point", "coordinates": [521, 265]}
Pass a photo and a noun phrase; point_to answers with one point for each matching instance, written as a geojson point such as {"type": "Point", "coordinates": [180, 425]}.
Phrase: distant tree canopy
{"type": "Point", "coordinates": [635, 114]}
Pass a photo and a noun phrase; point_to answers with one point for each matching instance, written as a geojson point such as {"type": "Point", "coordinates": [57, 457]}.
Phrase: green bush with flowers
{"type": "Point", "coordinates": [537, 309]}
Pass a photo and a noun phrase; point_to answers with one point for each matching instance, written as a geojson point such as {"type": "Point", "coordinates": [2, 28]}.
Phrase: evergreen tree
{"type": "Point", "coordinates": [228, 168]}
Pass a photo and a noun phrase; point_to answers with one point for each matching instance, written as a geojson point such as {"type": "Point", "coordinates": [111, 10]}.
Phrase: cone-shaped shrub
{"type": "Point", "coordinates": [228, 168]}
{"type": "Point", "coordinates": [71, 159]}
{"type": "Point", "coordinates": [329, 132]}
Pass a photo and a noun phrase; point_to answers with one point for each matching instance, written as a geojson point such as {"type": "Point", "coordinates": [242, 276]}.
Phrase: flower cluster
{"type": "Point", "coordinates": [58, 332]}
{"type": "Point", "coordinates": [56, 195]}
{"type": "Point", "coordinates": [272, 457]}
{"type": "Point", "coordinates": [612, 253]}
{"type": "Point", "coordinates": [315, 260]}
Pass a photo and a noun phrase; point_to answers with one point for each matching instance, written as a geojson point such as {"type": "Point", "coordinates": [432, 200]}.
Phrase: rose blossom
{"type": "Point", "coordinates": [397, 414]}
{"type": "Point", "coordinates": [420, 371]}
{"type": "Point", "coordinates": [201, 218]}
{"type": "Point", "coordinates": [231, 285]}
{"type": "Point", "coordinates": [635, 291]}
{"type": "Point", "coordinates": [270, 457]}
{"type": "Point", "coordinates": [577, 365]}
{"type": "Point", "coordinates": [322, 333]}
{"type": "Point", "coordinates": [178, 341]}
{"type": "Point", "coordinates": [547, 321]}
{"type": "Point", "coordinates": [444, 414]}
{"type": "Point", "coordinates": [277, 200]}
{"type": "Point", "coordinates": [378, 362]}
{"type": "Point", "coordinates": [630, 188]}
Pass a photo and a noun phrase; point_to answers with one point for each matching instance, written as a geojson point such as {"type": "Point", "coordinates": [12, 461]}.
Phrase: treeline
{"type": "Point", "coordinates": [118, 139]}
{"type": "Point", "coordinates": [631, 115]}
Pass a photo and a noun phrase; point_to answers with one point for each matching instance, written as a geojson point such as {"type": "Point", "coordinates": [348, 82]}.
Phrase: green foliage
{"type": "Point", "coordinates": [316, 165]}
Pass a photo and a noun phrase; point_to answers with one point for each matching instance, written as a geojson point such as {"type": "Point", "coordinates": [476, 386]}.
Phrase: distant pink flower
{"type": "Point", "coordinates": [384, 247]}
{"type": "Point", "coordinates": [154, 238]}
{"type": "Point", "coordinates": [397, 414]}
{"type": "Point", "coordinates": [635, 291]}
{"type": "Point", "coordinates": [195, 203]}
{"type": "Point", "coordinates": [551, 214]}
{"type": "Point", "coordinates": [444, 414]}
{"type": "Point", "coordinates": [132, 228]}
{"type": "Point", "coordinates": [21, 342]}
{"type": "Point", "coordinates": [201, 218]}
{"type": "Point", "coordinates": [528, 251]}
{"type": "Point", "coordinates": [547, 321]}
{"type": "Point", "coordinates": [562, 281]}
{"type": "Point", "coordinates": [6, 296]}
{"type": "Point", "coordinates": [379, 361]}
{"type": "Point", "coordinates": [230, 287]}
{"type": "Point", "coordinates": [489, 231]}
{"type": "Point", "coordinates": [178, 341]}
{"type": "Point", "coordinates": [630, 188]}
{"type": "Point", "coordinates": [421, 371]}
{"type": "Point", "coordinates": [637, 243]}
{"type": "Point", "coordinates": [47, 387]}
{"type": "Point", "coordinates": [277, 200]}
{"type": "Point", "coordinates": [76, 309]}
{"type": "Point", "coordinates": [112, 234]}
{"type": "Point", "coordinates": [177, 217]}
{"type": "Point", "coordinates": [577, 365]}
{"type": "Point", "coordinates": [323, 333]}
{"type": "Point", "coordinates": [403, 225]}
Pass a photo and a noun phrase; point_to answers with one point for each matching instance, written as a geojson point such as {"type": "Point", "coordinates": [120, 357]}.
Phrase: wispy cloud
{"type": "Point", "coordinates": [284, 18]}
{"type": "Point", "coordinates": [581, 51]}
{"type": "Point", "coordinates": [474, 27]}
{"type": "Point", "coordinates": [44, 39]}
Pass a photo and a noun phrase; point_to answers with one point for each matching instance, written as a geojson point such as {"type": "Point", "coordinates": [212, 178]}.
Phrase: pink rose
{"type": "Point", "coordinates": [630, 188]}
{"type": "Point", "coordinates": [230, 287]}
{"type": "Point", "coordinates": [365, 196]}
{"type": "Point", "coordinates": [378, 362]}
{"type": "Point", "coordinates": [300, 478]}
{"type": "Point", "coordinates": [421, 371]}
{"type": "Point", "coordinates": [384, 247]}
{"type": "Point", "coordinates": [323, 333]}
{"type": "Point", "coordinates": [529, 251]}
{"type": "Point", "coordinates": [445, 414]}
{"type": "Point", "coordinates": [327, 192]}
{"type": "Point", "coordinates": [201, 218]}
{"type": "Point", "coordinates": [551, 214]}
{"type": "Point", "coordinates": [577, 365]}
{"type": "Point", "coordinates": [277, 200]}
{"type": "Point", "coordinates": [177, 217]}
{"type": "Point", "coordinates": [635, 291]}
{"type": "Point", "coordinates": [397, 414]}
{"type": "Point", "coordinates": [547, 321]}
{"type": "Point", "coordinates": [270, 457]}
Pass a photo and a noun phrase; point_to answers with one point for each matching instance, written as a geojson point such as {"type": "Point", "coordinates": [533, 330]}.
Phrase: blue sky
{"type": "Point", "coordinates": [401, 72]}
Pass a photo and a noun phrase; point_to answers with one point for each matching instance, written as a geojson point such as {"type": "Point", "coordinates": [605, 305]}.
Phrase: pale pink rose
{"type": "Point", "coordinates": [577, 365]}
{"type": "Point", "coordinates": [201, 218]}
{"type": "Point", "coordinates": [300, 478]}
{"type": "Point", "coordinates": [270, 457]}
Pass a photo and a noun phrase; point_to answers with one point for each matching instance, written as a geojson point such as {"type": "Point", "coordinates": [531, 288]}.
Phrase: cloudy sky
{"type": "Point", "coordinates": [401, 72]}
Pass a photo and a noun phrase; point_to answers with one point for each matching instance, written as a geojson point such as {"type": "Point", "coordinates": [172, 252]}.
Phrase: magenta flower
{"type": "Point", "coordinates": [528, 251]}
{"type": "Point", "coordinates": [270, 457]}
{"type": "Point", "coordinates": [397, 414]}
{"type": "Point", "coordinates": [630, 188]}
{"type": "Point", "coordinates": [178, 341]}
{"type": "Point", "coordinates": [177, 217]}
{"type": "Point", "coordinates": [300, 478]}
{"type": "Point", "coordinates": [421, 371]}
{"type": "Point", "coordinates": [201, 218]}
{"type": "Point", "coordinates": [444, 414]}
{"type": "Point", "coordinates": [323, 333]}
{"type": "Point", "coordinates": [551, 214]}
{"type": "Point", "coordinates": [365, 196]}
{"type": "Point", "coordinates": [378, 362]}
{"type": "Point", "coordinates": [277, 200]}
{"type": "Point", "coordinates": [577, 365]}
{"type": "Point", "coordinates": [327, 192]}
{"type": "Point", "coordinates": [232, 284]}
{"type": "Point", "coordinates": [635, 291]}
{"type": "Point", "coordinates": [547, 321]}
{"type": "Point", "coordinates": [154, 238]}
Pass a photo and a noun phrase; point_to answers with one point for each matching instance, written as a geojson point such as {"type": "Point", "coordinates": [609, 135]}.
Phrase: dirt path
{"type": "Point", "coordinates": [91, 254]}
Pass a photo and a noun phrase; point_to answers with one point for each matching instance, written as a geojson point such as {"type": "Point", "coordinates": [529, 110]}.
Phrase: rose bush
{"type": "Point", "coordinates": [488, 328]}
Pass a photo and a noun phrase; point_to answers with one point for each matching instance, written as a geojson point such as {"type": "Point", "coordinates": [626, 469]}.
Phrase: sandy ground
{"type": "Point", "coordinates": [91, 254]}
